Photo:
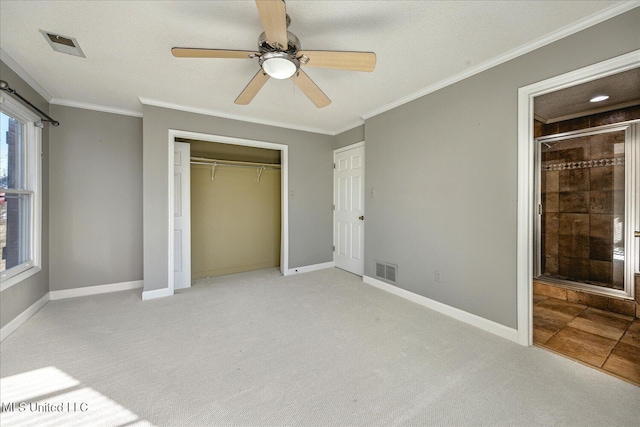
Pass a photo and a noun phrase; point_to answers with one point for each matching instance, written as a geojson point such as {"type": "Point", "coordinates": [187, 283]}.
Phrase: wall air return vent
{"type": "Point", "coordinates": [63, 44]}
{"type": "Point", "coordinates": [386, 271]}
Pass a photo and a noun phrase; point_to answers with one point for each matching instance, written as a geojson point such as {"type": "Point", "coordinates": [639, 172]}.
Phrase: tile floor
{"type": "Point", "coordinates": [604, 340]}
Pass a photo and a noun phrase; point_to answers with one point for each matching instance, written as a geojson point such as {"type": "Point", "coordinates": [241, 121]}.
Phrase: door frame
{"type": "Point", "coordinates": [526, 181]}
{"type": "Point", "coordinates": [336, 151]}
{"type": "Point", "coordinates": [284, 189]}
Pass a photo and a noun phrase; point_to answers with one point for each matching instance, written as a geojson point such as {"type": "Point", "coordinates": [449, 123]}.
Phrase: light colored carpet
{"type": "Point", "coordinates": [320, 348]}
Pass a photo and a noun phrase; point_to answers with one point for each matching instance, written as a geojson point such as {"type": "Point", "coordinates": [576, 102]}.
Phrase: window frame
{"type": "Point", "coordinates": [33, 187]}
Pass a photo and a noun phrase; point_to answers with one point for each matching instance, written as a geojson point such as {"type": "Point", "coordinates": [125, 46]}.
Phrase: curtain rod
{"type": "Point", "coordinates": [43, 116]}
{"type": "Point", "coordinates": [212, 162]}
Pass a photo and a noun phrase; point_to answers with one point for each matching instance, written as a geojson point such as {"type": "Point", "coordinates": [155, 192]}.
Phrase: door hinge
{"type": "Point", "coordinates": [334, 249]}
{"type": "Point", "coordinates": [334, 207]}
{"type": "Point", "coordinates": [334, 165]}
{"type": "Point", "coordinates": [539, 209]}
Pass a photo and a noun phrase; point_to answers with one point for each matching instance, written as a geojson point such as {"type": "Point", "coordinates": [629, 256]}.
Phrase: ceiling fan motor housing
{"type": "Point", "coordinates": [292, 48]}
{"type": "Point", "coordinates": [277, 62]}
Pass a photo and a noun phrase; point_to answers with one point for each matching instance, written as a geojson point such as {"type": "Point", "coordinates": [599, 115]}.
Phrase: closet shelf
{"type": "Point", "coordinates": [216, 162]}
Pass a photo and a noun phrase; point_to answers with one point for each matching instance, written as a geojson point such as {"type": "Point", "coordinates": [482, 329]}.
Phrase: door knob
{"type": "Point", "coordinates": [362, 218]}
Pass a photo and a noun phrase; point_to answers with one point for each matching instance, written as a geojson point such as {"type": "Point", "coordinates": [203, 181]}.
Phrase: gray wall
{"type": "Point", "coordinates": [349, 137]}
{"type": "Point", "coordinates": [444, 168]}
{"type": "Point", "coordinates": [96, 198]}
{"type": "Point", "coordinates": [310, 180]}
{"type": "Point", "coordinates": [21, 296]}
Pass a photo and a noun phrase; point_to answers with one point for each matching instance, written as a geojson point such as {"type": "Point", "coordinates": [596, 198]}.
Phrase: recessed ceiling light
{"type": "Point", "coordinates": [599, 98]}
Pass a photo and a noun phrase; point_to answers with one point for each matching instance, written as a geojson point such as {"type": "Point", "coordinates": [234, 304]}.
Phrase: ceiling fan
{"type": "Point", "coordinates": [280, 56]}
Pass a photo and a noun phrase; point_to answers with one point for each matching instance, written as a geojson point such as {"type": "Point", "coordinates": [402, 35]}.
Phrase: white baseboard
{"type": "Point", "coordinates": [156, 293]}
{"type": "Point", "coordinates": [10, 327]}
{"type": "Point", "coordinates": [461, 315]}
{"type": "Point", "coordinates": [93, 290]}
{"type": "Point", "coordinates": [308, 268]}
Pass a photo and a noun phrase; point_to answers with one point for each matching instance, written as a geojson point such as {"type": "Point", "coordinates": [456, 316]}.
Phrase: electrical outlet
{"type": "Point", "coordinates": [372, 193]}
{"type": "Point", "coordinates": [438, 276]}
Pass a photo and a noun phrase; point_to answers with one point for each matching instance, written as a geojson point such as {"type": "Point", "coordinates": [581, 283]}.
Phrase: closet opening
{"type": "Point", "coordinates": [235, 208]}
{"type": "Point", "coordinates": [229, 213]}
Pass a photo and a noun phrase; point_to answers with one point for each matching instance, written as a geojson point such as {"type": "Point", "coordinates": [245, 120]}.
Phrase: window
{"type": "Point", "coordinates": [20, 193]}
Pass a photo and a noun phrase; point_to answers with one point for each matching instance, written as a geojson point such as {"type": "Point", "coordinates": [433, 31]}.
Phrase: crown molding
{"type": "Point", "coordinates": [543, 41]}
{"type": "Point", "coordinates": [353, 125]}
{"type": "Point", "coordinates": [215, 113]}
{"type": "Point", "coordinates": [95, 107]}
{"type": "Point", "coordinates": [4, 56]}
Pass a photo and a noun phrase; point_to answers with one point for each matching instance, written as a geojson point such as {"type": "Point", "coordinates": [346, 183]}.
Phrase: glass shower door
{"type": "Point", "coordinates": [587, 208]}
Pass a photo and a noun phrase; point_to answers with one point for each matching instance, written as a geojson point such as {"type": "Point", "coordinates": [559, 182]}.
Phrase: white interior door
{"type": "Point", "coordinates": [348, 196]}
{"type": "Point", "coordinates": [182, 216]}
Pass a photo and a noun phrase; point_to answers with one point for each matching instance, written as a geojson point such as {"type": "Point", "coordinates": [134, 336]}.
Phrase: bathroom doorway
{"type": "Point", "coordinates": [528, 206]}
{"type": "Point", "coordinates": [583, 182]}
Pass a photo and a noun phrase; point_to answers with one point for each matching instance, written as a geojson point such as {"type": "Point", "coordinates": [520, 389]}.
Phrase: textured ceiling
{"type": "Point", "coordinates": [622, 89]}
{"type": "Point", "coordinates": [419, 44]}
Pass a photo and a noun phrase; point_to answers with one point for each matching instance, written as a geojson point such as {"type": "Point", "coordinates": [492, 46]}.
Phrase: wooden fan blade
{"type": "Point", "coordinates": [188, 52]}
{"type": "Point", "coordinates": [252, 88]}
{"type": "Point", "coordinates": [354, 61]}
{"type": "Point", "coordinates": [273, 15]}
{"type": "Point", "coordinates": [313, 92]}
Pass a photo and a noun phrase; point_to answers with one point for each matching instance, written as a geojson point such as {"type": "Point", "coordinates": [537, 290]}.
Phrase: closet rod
{"type": "Point", "coordinates": [234, 165]}
{"type": "Point", "coordinates": [212, 162]}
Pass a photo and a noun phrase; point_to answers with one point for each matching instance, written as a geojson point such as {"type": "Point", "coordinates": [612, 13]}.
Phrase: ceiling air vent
{"type": "Point", "coordinates": [386, 271]}
{"type": "Point", "coordinates": [63, 44]}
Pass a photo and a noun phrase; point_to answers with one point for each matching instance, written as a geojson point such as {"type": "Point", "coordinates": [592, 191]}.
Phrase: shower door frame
{"type": "Point", "coordinates": [632, 183]}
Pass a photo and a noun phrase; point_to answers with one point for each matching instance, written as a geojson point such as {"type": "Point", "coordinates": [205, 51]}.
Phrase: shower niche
{"type": "Point", "coordinates": [586, 194]}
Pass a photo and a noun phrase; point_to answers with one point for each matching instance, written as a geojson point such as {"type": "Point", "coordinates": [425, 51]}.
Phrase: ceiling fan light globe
{"type": "Point", "coordinates": [279, 68]}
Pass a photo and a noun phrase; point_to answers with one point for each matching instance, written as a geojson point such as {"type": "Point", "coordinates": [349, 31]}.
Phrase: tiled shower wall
{"type": "Point", "coordinates": [582, 190]}
{"type": "Point", "coordinates": [617, 116]}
